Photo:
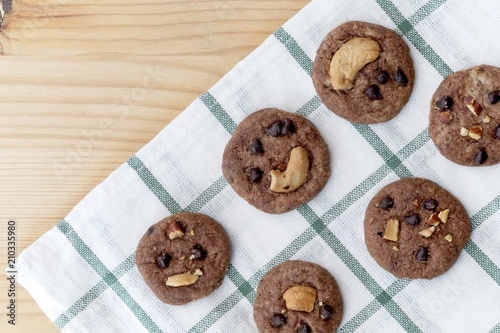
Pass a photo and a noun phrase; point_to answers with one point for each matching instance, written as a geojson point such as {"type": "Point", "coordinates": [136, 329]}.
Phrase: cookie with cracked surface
{"type": "Point", "coordinates": [276, 160]}
{"type": "Point", "coordinates": [415, 229]}
{"type": "Point", "coordinates": [298, 296]}
{"type": "Point", "coordinates": [363, 72]}
{"type": "Point", "coordinates": [464, 118]}
{"type": "Point", "coordinates": [183, 257]}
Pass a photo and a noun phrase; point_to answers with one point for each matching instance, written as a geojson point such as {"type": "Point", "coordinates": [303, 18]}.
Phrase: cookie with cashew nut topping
{"type": "Point", "coordinates": [298, 296]}
{"type": "Point", "coordinates": [183, 257]}
{"type": "Point", "coordinates": [363, 72]}
{"type": "Point", "coordinates": [276, 160]}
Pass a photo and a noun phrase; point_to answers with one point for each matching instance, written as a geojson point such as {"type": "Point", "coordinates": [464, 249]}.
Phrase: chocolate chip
{"type": "Point", "coordinates": [422, 254]}
{"type": "Point", "coordinates": [199, 252]}
{"type": "Point", "coordinates": [412, 219]}
{"type": "Point", "coordinates": [386, 203]}
{"type": "Point", "coordinates": [279, 128]}
{"type": "Point", "coordinates": [481, 156]}
{"type": "Point", "coordinates": [256, 147]}
{"type": "Point", "coordinates": [326, 311]}
{"type": "Point", "coordinates": [383, 77]}
{"type": "Point", "coordinates": [287, 127]}
{"type": "Point", "coordinates": [163, 261]}
{"type": "Point", "coordinates": [278, 320]}
{"type": "Point", "coordinates": [430, 204]}
{"type": "Point", "coordinates": [373, 92]}
{"type": "Point", "coordinates": [275, 128]}
{"type": "Point", "coordinates": [255, 175]}
{"type": "Point", "coordinates": [494, 97]}
{"type": "Point", "coordinates": [304, 328]}
{"type": "Point", "coordinates": [497, 132]}
{"type": "Point", "coordinates": [400, 78]}
{"type": "Point", "coordinates": [151, 230]}
{"type": "Point", "coordinates": [444, 103]}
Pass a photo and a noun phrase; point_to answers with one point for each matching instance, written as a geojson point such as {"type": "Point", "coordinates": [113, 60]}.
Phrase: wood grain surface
{"type": "Point", "coordinates": [84, 84]}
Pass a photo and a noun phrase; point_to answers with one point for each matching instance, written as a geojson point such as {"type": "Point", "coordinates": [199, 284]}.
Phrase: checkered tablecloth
{"type": "Point", "coordinates": [82, 272]}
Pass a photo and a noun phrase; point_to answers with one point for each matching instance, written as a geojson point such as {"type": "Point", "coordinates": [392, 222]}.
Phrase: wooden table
{"type": "Point", "coordinates": [77, 98]}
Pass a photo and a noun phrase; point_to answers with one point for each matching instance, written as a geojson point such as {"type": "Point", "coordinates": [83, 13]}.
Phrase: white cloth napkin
{"type": "Point", "coordinates": [82, 272]}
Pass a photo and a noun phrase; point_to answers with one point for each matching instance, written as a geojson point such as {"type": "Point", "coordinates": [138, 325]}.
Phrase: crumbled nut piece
{"type": "Point", "coordinates": [300, 298]}
{"type": "Point", "coordinates": [175, 230]}
{"type": "Point", "coordinates": [476, 132]}
{"type": "Point", "coordinates": [415, 202]}
{"type": "Point", "coordinates": [392, 230]}
{"type": "Point", "coordinates": [191, 232]}
{"type": "Point", "coordinates": [443, 215]}
{"type": "Point", "coordinates": [473, 105]}
{"type": "Point", "coordinates": [395, 248]}
{"type": "Point", "coordinates": [198, 272]}
{"type": "Point", "coordinates": [349, 59]}
{"type": "Point", "coordinates": [427, 232]}
{"type": "Point", "coordinates": [191, 257]}
{"type": "Point", "coordinates": [464, 131]}
{"type": "Point", "coordinates": [434, 219]}
{"type": "Point", "coordinates": [296, 172]}
{"type": "Point", "coordinates": [180, 280]}
{"type": "Point", "coordinates": [487, 119]}
{"type": "Point", "coordinates": [448, 238]}
{"type": "Point", "coordinates": [445, 117]}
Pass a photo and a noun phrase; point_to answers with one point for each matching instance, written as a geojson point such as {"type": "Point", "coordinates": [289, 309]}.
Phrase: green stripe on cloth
{"type": "Point", "coordinates": [217, 312]}
{"type": "Point", "coordinates": [238, 280]}
{"type": "Point", "coordinates": [425, 11]}
{"type": "Point", "coordinates": [93, 293]}
{"type": "Point", "coordinates": [362, 316]}
{"type": "Point", "coordinates": [310, 106]}
{"type": "Point", "coordinates": [207, 195]}
{"type": "Point", "coordinates": [381, 148]}
{"type": "Point", "coordinates": [485, 213]}
{"type": "Point", "coordinates": [372, 307]}
{"type": "Point", "coordinates": [483, 260]}
{"type": "Point", "coordinates": [336, 245]}
{"type": "Point", "coordinates": [495, 329]}
{"type": "Point", "coordinates": [111, 280]}
{"type": "Point", "coordinates": [220, 114]}
{"type": "Point", "coordinates": [81, 304]}
{"type": "Point", "coordinates": [154, 185]}
{"type": "Point", "coordinates": [407, 29]}
{"type": "Point", "coordinates": [295, 50]}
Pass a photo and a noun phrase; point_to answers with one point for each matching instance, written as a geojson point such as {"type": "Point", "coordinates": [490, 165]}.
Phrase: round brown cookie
{"type": "Point", "coordinates": [298, 296]}
{"type": "Point", "coordinates": [464, 121]}
{"type": "Point", "coordinates": [183, 257]}
{"type": "Point", "coordinates": [380, 89]}
{"type": "Point", "coordinates": [415, 229]}
{"type": "Point", "coordinates": [270, 141]}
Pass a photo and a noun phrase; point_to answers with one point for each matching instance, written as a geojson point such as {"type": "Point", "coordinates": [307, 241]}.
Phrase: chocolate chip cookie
{"type": "Point", "coordinates": [415, 229]}
{"type": "Point", "coordinates": [363, 72]}
{"type": "Point", "coordinates": [183, 257]}
{"type": "Point", "coordinates": [298, 296]}
{"type": "Point", "coordinates": [276, 160]}
{"type": "Point", "coordinates": [464, 121]}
